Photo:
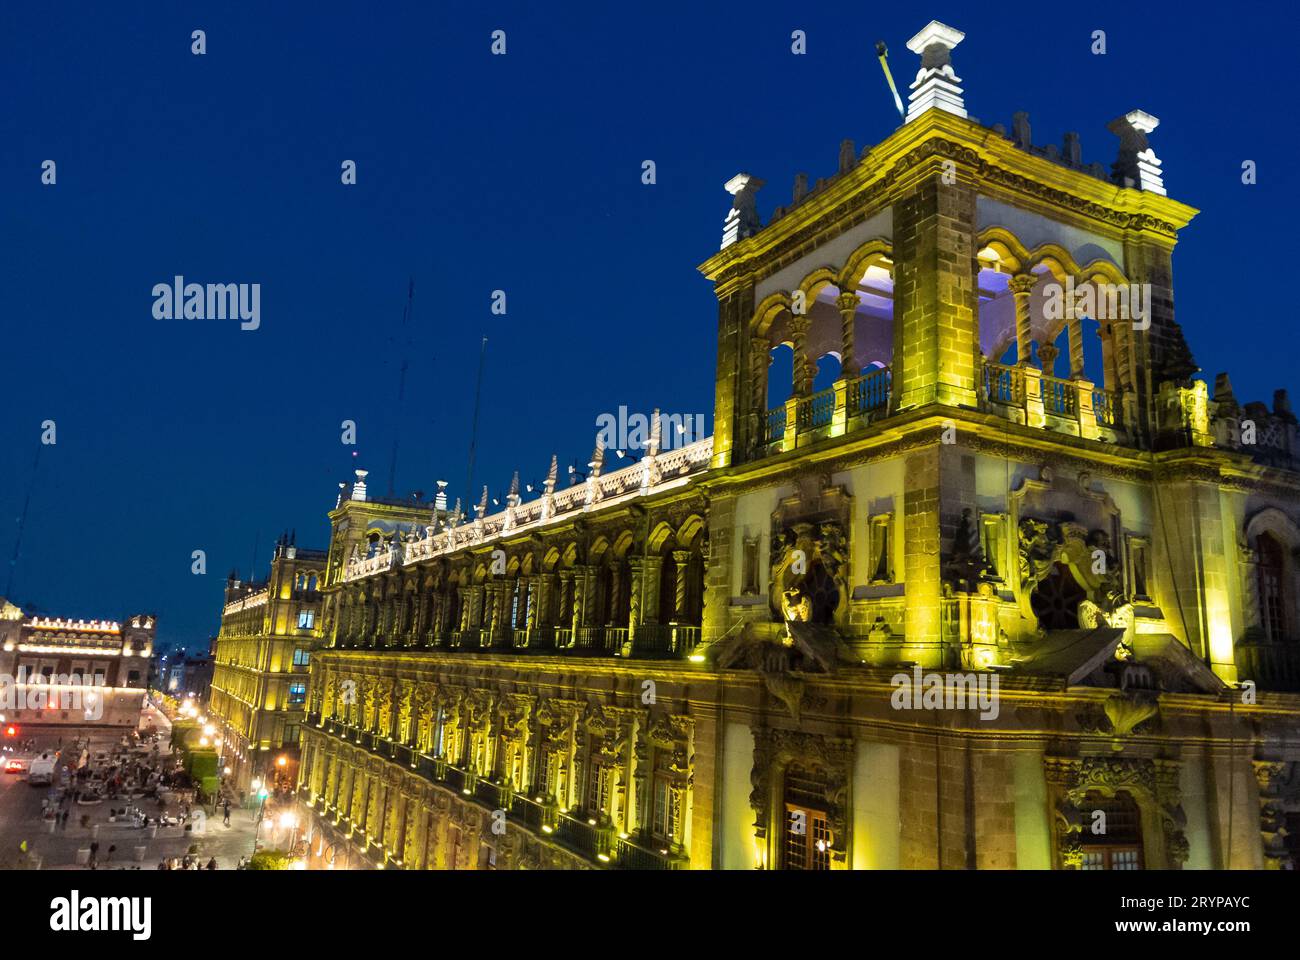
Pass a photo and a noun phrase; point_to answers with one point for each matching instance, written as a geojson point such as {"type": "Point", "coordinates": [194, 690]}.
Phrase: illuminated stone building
{"type": "Point", "coordinates": [99, 667]}
{"type": "Point", "coordinates": [965, 577]}
{"type": "Point", "coordinates": [262, 658]}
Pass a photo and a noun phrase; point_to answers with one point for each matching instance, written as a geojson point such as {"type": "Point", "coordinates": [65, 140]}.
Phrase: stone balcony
{"type": "Point", "coordinates": [1023, 394]}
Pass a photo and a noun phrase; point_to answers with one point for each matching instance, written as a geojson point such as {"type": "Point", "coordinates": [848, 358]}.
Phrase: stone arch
{"type": "Point", "coordinates": [766, 313]}
{"type": "Point", "coordinates": [598, 548]}
{"type": "Point", "coordinates": [1274, 521]}
{"type": "Point", "coordinates": [691, 530]}
{"type": "Point", "coordinates": [660, 537]}
{"type": "Point", "coordinates": [1011, 254]}
{"type": "Point", "coordinates": [814, 282]}
{"type": "Point", "coordinates": [873, 252]}
{"type": "Point", "coordinates": [623, 543]}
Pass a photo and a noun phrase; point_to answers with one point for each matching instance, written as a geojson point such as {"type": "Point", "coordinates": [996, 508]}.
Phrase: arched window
{"type": "Point", "coordinates": [1272, 596]}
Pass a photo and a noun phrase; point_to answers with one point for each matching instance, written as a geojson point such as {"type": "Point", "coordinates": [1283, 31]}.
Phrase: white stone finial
{"type": "Point", "coordinates": [1137, 164]}
{"type": "Point", "coordinates": [936, 85]}
{"type": "Point", "coordinates": [359, 487]}
{"type": "Point", "coordinates": [742, 220]}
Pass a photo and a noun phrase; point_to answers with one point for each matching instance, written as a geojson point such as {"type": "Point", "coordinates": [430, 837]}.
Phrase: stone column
{"type": "Point", "coordinates": [1076, 345]}
{"type": "Point", "coordinates": [1021, 285]}
{"type": "Point", "coordinates": [847, 304]}
{"type": "Point", "coordinates": [636, 610]}
{"type": "Point", "coordinates": [804, 372]}
{"type": "Point", "coordinates": [474, 618]}
{"type": "Point", "coordinates": [546, 600]}
{"type": "Point", "coordinates": [760, 352]}
{"type": "Point", "coordinates": [615, 591]}
{"type": "Point", "coordinates": [681, 612]}
{"type": "Point", "coordinates": [530, 585]}
{"type": "Point", "coordinates": [565, 616]}
{"type": "Point", "coordinates": [582, 582]}
{"type": "Point", "coordinates": [505, 593]}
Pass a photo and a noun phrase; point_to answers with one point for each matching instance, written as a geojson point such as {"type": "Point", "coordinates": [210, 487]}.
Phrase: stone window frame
{"type": "Point", "coordinates": [1001, 562]}
{"type": "Point", "coordinates": [1134, 546]}
{"type": "Point", "coordinates": [751, 565]}
{"type": "Point", "coordinates": [875, 522]}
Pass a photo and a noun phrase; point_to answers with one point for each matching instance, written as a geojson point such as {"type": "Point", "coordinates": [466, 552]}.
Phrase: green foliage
{"type": "Point", "coordinates": [270, 860]}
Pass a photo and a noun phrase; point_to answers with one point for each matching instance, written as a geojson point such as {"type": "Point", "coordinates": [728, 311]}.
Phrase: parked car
{"type": "Point", "coordinates": [41, 771]}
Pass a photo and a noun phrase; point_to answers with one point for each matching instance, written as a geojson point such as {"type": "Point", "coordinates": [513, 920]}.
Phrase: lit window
{"type": "Point", "coordinates": [301, 657]}
{"type": "Point", "coordinates": [297, 693]}
{"type": "Point", "coordinates": [807, 834]}
{"type": "Point", "coordinates": [306, 619]}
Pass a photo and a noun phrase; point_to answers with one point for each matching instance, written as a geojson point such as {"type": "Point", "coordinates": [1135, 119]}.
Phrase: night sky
{"type": "Point", "coordinates": [476, 173]}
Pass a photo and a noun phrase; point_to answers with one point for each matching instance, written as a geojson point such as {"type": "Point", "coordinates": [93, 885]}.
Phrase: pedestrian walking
{"type": "Point", "coordinates": [226, 811]}
{"type": "Point", "coordinates": [112, 849]}
{"type": "Point", "coordinates": [94, 853]}
{"type": "Point", "coordinates": [212, 864]}
{"type": "Point", "coordinates": [64, 825]}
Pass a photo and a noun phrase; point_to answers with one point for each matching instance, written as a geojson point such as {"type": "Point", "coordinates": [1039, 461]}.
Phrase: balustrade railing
{"type": "Point", "coordinates": [869, 392]}
{"type": "Point", "coordinates": [816, 411]}
{"type": "Point", "coordinates": [1106, 405]}
{"type": "Point", "coordinates": [664, 639]}
{"type": "Point", "coordinates": [1004, 384]}
{"type": "Point", "coordinates": [774, 425]}
{"type": "Point", "coordinates": [1060, 397]}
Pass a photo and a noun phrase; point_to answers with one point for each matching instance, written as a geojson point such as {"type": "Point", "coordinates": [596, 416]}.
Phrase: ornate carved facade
{"type": "Point", "coordinates": [1082, 560]}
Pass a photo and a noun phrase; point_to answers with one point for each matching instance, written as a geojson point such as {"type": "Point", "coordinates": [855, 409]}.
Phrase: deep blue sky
{"type": "Point", "coordinates": [479, 172]}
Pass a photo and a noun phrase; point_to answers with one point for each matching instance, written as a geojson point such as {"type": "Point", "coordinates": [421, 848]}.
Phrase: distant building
{"type": "Point", "coordinates": [61, 671]}
{"type": "Point", "coordinates": [184, 676]}
{"type": "Point", "coordinates": [261, 658]}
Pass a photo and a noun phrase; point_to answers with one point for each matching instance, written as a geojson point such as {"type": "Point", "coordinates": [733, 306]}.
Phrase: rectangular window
{"type": "Point", "coordinates": [992, 526]}
{"type": "Point", "coordinates": [807, 839]}
{"type": "Point", "coordinates": [1139, 568]}
{"type": "Point", "coordinates": [301, 657]}
{"type": "Point", "coordinates": [306, 619]}
{"type": "Point", "coordinates": [881, 561]}
{"type": "Point", "coordinates": [749, 572]}
{"type": "Point", "coordinates": [297, 693]}
{"type": "Point", "coordinates": [291, 733]}
{"type": "Point", "coordinates": [598, 788]}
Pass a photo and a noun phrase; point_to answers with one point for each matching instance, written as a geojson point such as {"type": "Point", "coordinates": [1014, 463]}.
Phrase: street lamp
{"type": "Point", "coordinates": [262, 794]}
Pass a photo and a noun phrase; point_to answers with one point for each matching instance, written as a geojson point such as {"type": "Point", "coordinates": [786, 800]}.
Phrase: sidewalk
{"type": "Point", "coordinates": [59, 850]}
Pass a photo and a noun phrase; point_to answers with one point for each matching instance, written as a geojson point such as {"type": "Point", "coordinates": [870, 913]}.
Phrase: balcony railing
{"type": "Point", "coordinates": [1273, 666]}
{"type": "Point", "coordinates": [1106, 405]}
{"type": "Point", "coordinates": [1060, 397]}
{"type": "Point", "coordinates": [816, 411]}
{"type": "Point", "coordinates": [664, 639]}
{"type": "Point", "coordinates": [869, 393]}
{"type": "Point", "coordinates": [774, 426]}
{"type": "Point", "coordinates": [572, 832]}
{"type": "Point", "coordinates": [1004, 384]}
